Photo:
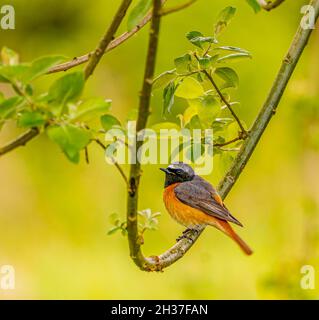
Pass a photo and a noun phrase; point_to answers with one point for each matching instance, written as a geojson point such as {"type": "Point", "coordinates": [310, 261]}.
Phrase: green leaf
{"type": "Point", "coordinates": [190, 112]}
{"type": "Point", "coordinates": [195, 123]}
{"type": "Point", "coordinates": [229, 76]}
{"type": "Point", "coordinates": [189, 89]}
{"type": "Point", "coordinates": [9, 57]}
{"type": "Point", "coordinates": [208, 110]}
{"type": "Point", "coordinates": [108, 122]}
{"type": "Point", "coordinates": [227, 14]}
{"type": "Point", "coordinates": [8, 107]}
{"type": "Point", "coordinates": [66, 89]}
{"type": "Point", "coordinates": [213, 59]}
{"type": "Point", "coordinates": [163, 79]}
{"type": "Point", "coordinates": [219, 124]}
{"type": "Point", "coordinates": [70, 138]}
{"type": "Point", "coordinates": [12, 73]}
{"type": "Point", "coordinates": [234, 56]}
{"type": "Point", "coordinates": [197, 39]}
{"type": "Point", "coordinates": [138, 13]}
{"type": "Point", "coordinates": [41, 66]}
{"type": "Point", "coordinates": [254, 4]}
{"type": "Point", "coordinates": [230, 48]}
{"type": "Point", "coordinates": [192, 35]}
{"type": "Point", "coordinates": [205, 62]}
{"type": "Point", "coordinates": [231, 131]}
{"type": "Point", "coordinates": [168, 97]}
{"type": "Point", "coordinates": [182, 63]}
{"type": "Point", "coordinates": [29, 119]}
{"type": "Point", "coordinates": [113, 230]}
{"type": "Point", "coordinates": [224, 19]}
{"type": "Point", "coordinates": [91, 108]}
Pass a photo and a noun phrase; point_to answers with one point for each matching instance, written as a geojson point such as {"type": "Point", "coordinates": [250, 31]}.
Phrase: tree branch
{"type": "Point", "coordinates": [176, 252]}
{"type": "Point", "coordinates": [112, 45]}
{"type": "Point", "coordinates": [93, 59]}
{"type": "Point", "coordinates": [242, 129]}
{"type": "Point", "coordinates": [20, 141]}
{"type": "Point", "coordinates": [270, 5]}
{"type": "Point", "coordinates": [117, 166]}
{"type": "Point", "coordinates": [227, 142]}
{"type": "Point", "coordinates": [108, 37]}
{"type": "Point", "coordinates": [143, 114]}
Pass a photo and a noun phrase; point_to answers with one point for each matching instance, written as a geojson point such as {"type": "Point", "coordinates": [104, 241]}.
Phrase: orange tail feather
{"type": "Point", "coordinates": [243, 245]}
{"type": "Point", "coordinates": [228, 230]}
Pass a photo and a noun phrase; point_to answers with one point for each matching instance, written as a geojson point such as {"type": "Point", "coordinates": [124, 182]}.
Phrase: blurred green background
{"type": "Point", "coordinates": [54, 215]}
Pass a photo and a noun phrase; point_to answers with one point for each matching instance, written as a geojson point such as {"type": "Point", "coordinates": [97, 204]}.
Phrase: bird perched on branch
{"type": "Point", "coordinates": [193, 201]}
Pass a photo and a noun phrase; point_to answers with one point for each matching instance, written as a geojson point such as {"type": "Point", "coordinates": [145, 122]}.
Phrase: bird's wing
{"type": "Point", "coordinates": [201, 195]}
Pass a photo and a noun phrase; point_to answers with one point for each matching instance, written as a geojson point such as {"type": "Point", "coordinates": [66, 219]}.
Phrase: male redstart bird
{"type": "Point", "coordinates": [193, 201]}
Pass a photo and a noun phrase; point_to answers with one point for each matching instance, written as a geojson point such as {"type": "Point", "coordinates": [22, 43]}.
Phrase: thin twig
{"type": "Point", "coordinates": [180, 7]}
{"type": "Point", "coordinates": [107, 38]}
{"type": "Point", "coordinates": [177, 251]}
{"type": "Point", "coordinates": [117, 166]}
{"type": "Point", "coordinates": [86, 151]}
{"type": "Point", "coordinates": [143, 114]}
{"type": "Point", "coordinates": [270, 5]}
{"type": "Point", "coordinates": [120, 170]}
{"type": "Point", "coordinates": [227, 142]}
{"type": "Point", "coordinates": [243, 133]}
{"type": "Point", "coordinates": [230, 149]}
{"type": "Point", "coordinates": [20, 141]}
{"type": "Point", "coordinates": [21, 92]}
{"type": "Point", "coordinates": [113, 44]}
{"type": "Point", "coordinates": [242, 129]}
{"type": "Point", "coordinates": [100, 143]}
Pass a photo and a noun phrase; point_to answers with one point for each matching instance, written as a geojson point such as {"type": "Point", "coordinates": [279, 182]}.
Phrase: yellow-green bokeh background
{"type": "Point", "coordinates": [54, 214]}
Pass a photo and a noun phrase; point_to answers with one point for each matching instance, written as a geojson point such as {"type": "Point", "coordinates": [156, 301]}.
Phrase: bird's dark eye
{"type": "Point", "coordinates": [178, 171]}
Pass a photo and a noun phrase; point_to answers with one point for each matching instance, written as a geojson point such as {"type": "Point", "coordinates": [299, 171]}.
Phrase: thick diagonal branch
{"type": "Point", "coordinates": [176, 252]}
{"type": "Point", "coordinates": [119, 40]}
{"type": "Point", "coordinates": [112, 45]}
{"type": "Point", "coordinates": [107, 38]}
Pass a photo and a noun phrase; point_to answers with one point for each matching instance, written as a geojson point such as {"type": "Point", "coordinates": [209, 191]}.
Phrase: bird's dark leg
{"type": "Point", "coordinates": [186, 233]}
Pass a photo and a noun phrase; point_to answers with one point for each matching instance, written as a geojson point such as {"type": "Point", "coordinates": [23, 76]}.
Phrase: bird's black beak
{"type": "Point", "coordinates": [164, 170]}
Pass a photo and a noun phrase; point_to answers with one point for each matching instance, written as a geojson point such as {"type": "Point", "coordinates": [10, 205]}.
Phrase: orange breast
{"type": "Point", "coordinates": [183, 213]}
